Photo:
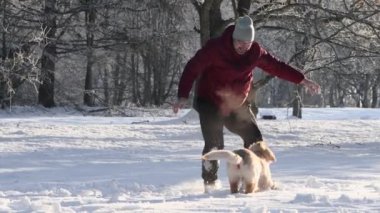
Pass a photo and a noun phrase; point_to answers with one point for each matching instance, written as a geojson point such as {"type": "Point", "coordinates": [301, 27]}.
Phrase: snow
{"type": "Point", "coordinates": [61, 161]}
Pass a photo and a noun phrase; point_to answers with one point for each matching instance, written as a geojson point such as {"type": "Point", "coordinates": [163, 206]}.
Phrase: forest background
{"type": "Point", "coordinates": [117, 53]}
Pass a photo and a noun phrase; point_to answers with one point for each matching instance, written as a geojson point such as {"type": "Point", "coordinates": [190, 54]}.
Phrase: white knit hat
{"type": "Point", "coordinates": [244, 30]}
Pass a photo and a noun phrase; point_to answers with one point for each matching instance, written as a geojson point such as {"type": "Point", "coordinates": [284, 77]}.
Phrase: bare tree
{"type": "Point", "coordinates": [134, 50]}
{"type": "Point", "coordinates": [375, 89]}
{"type": "Point", "coordinates": [49, 56]}
{"type": "Point", "coordinates": [19, 51]}
{"type": "Point", "coordinates": [90, 14]}
{"type": "Point", "coordinates": [148, 57]}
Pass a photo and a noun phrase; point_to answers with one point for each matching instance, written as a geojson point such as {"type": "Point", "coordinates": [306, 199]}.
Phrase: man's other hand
{"type": "Point", "coordinates": [179, 104]}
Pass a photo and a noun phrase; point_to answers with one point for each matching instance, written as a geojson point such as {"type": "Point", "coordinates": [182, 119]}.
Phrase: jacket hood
{"type": "Point", "coordinates": [227, 41]}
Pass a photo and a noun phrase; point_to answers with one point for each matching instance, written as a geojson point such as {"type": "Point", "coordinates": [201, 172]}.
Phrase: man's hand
{"type": "Point", "coordinates": [179, 104]}
{"type": "Point", "coordinates": [311, 87]}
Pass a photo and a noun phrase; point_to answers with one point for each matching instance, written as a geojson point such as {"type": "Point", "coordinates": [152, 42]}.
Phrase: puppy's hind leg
{"type": "Point", "coordinates": [234, 185]}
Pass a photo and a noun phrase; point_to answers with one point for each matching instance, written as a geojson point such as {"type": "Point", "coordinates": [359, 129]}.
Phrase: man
{"type": "Point", "coordinates": [223, 71]}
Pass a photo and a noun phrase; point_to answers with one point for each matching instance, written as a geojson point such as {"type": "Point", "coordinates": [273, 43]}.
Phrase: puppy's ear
{"type": "Point", "coordinates": [269, 155]}
{"type": "Point", "coordinates": [262, 151]}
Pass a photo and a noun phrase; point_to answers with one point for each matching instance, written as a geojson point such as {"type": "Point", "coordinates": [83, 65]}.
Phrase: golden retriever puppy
{"type": "Point", "coordinates": [249, 166]}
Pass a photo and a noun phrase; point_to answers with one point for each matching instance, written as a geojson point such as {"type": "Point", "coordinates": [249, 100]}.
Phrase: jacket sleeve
{"type": "Point", "coordinates": [193, 69]}
{"type": "Point", "coordinates": [273, 66]}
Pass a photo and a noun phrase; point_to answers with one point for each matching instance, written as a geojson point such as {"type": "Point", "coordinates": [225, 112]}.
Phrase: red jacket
{"type": "Point", "coordinates": [219, 67]}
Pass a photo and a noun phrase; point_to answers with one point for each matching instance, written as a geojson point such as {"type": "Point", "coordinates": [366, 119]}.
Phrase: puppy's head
{"type": "Point", "coordinates": [262, 151]}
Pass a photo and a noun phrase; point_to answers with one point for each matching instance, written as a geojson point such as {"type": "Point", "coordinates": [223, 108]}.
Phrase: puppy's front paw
{"type": "Point", "coordinates": [275, 186]}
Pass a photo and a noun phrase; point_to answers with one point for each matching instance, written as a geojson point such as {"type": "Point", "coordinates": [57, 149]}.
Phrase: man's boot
{"type": "Point", "coordinates": [209, 175]}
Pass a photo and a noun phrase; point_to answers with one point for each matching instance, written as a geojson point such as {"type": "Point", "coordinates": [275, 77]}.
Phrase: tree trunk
{"type": "Point", "coordinates": [134, 78]}
{"type": "Point", "coordinates": [366, 88]}
{"type": "Point", "coordinates": [49, 55]}
{"type": "Point", "coordinates": [375, 89]}
{"type": "Point", "coordinates": [210, 20]}
{"type": "Point", "coordinates": [204, 21]}
{"type": "Point", "coordinates": [107, 98]}
{"type": "Point", "coordinates": [89, 94]}
{"type": "Point", "coordinates": [243, 7]}
{"type": "Point", "coordinates": [297, 105]}
{"type": "Point", "coordinates": [122, 78]}
{"type": "Point", "coordinates": [3, 33]}
{"type": "Point", "coordinates": [375, 96]}
{"type": "Point", "coordinates": [3, 88]}
{"type": "Point", "coordinates": [147, 82]}
{"type": "Point", "coordinates": [331, 97]}
{"type": "Point", "coordinates": [300, 60]}
{"type": "Point", "coordinates": [252, 93]}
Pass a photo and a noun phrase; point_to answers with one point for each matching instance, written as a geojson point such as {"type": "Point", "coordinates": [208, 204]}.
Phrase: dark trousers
{"type": "Point", "coordinates": [241, 122]}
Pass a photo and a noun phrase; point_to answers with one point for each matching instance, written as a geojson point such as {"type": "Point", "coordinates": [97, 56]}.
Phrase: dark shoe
{"type": "Point", "coordinates": [209, 175]}
{"type": "Point", "coordinates": [209, 170]}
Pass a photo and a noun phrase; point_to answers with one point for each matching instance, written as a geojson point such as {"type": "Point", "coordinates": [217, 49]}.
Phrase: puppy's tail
{"type": "Point", "coordinates": [230, 156]}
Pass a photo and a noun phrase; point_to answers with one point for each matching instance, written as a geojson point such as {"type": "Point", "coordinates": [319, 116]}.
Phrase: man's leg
{"type": "Point", "coordinates": [212, 130]}
{"type": "Point", "coordinates": [243, 123]}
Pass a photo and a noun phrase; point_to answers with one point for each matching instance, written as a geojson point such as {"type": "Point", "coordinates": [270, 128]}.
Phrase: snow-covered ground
{"type": "Point", "coordinates": [61, 161]}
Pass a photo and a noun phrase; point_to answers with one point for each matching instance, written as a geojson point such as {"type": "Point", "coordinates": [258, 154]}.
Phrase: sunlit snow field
{"type": "Point", "coordinates": [61, 161]}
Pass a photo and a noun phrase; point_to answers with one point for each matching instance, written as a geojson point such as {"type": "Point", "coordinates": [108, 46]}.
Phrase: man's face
{"type": "Point", "coordinates": [241, 47]}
